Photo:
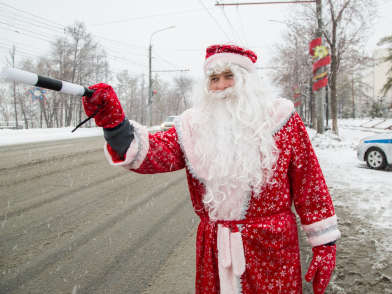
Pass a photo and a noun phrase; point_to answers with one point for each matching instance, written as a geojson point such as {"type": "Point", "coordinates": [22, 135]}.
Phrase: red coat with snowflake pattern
{"type": "Point", "coordinates": [268, 229]}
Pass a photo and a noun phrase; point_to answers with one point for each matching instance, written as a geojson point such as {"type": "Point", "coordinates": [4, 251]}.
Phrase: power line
{"type": "Point", "coordinates": [231, 26]}
{"type": "Point", "coordinates": [21, 44]}
{"type": "Point", "coordinates": [26, 23]}
{"type": "Point", "coordinates": [144, 17]}
{"type": "Point", "coordinates": [125, 44]}
{"type": "Point", "coordinates": [24, 34]}
{"type": "Point", "coordinates": [180, 49]}
{"type": "Point", "coordinates": [273, 2]}
{"type": "Point", "coordinates": [18, 52]}
{"type": "Point", "coordinates": [175, 65]}
{"type": "Point", "coordinates": [215, 20]}
{"type": "Point", "coordinates": [243, 31]}
{"type": "Point", "coordinates": [63, 27]}
{"type": "Point", "coordinates": [23, 29]}
{"type": "Point", "coordinates": [127, 62]}
{"type": "Point", "coordinates": [29, 13]}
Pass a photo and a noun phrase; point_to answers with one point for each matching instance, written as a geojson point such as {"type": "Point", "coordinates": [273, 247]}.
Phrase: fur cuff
{"type": "Point", "coordinates": [136, 152]}
{"type": "Point", "coordinates": [322, 232]}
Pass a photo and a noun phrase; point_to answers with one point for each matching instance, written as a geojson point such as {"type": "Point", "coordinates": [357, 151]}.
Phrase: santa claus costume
{"type": "Point", "coordinates": [248, 158]}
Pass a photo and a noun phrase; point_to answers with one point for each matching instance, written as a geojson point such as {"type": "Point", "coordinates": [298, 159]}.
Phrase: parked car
{"type": "Point", "coordinates": [376, 150]}
{"type": "Point", "coordinates": [168, 123]}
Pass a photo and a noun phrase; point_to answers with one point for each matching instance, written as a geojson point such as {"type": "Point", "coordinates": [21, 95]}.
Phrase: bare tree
{"type": "Point", "coordinates": [183, 86]}
{"type": "Point", "coordinates": [347, 26]}
{"type": "Point", "coordinates": [10, 61]}
{"type": "Point", "coordinates": [5, 108]}
{"type": "Point", "coordinates": [388, 85]}
{"type": "Point", "coordinates": [291, 66]}
{"type": "Point", "coordinates": [128, 90]}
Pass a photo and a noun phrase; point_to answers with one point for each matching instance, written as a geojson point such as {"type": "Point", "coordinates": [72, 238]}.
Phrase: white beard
{"type": "Point", "coordinates": [235, 146]}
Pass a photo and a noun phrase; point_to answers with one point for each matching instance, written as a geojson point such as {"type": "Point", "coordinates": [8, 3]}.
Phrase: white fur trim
{"type": "Point", "coordinates": [184, 132]}
{"type": "Point", "coordinates": [185, 146]}
{"type": "Point", "coordinates": [284, 109]}
{"type": "Point", "coordinates": [232, 58]}
{"type": "Point", "coordinates": [237, 253]}
{"type": "Point", "coordinates": [224, 255]}
{"type": "Point", "coordinates": [136, 152]}
{"type": "Point", "coordinates": [322, 232]}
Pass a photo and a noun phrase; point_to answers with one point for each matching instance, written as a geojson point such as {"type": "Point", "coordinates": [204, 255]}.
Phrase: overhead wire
{"type": "Point", "coordinates": [62, 29]}
{"type": "Point", "coordinates": [175, 65]}
{"type": "Point", "coordinates": [144, 17]}
{"type": "Point", "coordinates": [20, 21]}
{"type": "Point", "coordinates": [10, 18]}
{"type": "Point", "coordinates": [30, 14]}
{"type": "Point", "coordinates": [243, 31]}
{"type": "Point", "coordinates": [215, 20]}
{"type": "Point", "coordinates": [18, 52]}
{"type": "Point", "coordinates": [3, 23]}
{"type": "Point", "coordinates": [24, 34]}
{"type": "Point", "coordinates": [230, 25]}
{"type": "Point", "coordinates": [20, 44]}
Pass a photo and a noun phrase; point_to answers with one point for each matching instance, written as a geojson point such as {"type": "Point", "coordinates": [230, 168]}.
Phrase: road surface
{"type": "Point", "coordinates": [70, 223]}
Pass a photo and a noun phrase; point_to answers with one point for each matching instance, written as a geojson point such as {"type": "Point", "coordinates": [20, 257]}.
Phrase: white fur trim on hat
{"type": "Point", "coordinates": [233, 58]}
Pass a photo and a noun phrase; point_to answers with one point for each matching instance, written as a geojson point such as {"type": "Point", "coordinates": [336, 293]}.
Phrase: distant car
{"type": "Point", "coordinates": [168, 123]}
{"type": "Point", "coordinates": [376, 150]}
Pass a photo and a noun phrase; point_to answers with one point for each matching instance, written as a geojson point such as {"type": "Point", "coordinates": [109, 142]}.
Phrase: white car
{"type": "Point", "coordinates": [376, 150]}
{"type": "Point", "coordinates": [168, 123]}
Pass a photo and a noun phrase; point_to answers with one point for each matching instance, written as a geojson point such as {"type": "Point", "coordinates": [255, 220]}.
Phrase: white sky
{"type": "Point", "coordinates": [182, 47]}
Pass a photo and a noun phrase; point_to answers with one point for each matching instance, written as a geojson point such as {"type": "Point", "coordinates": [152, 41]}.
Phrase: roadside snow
{"type": "Point", "coordinates": [342, 170]}
{"type": "Point", "coordinates": [11, 137]}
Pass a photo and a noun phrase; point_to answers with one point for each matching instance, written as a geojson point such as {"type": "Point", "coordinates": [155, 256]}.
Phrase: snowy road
{"type": "Point", "coordinates": [70, 223]}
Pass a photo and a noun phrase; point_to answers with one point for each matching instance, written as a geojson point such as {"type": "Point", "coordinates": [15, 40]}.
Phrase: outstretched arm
{"type": "Point", "coordinates": [128, 143]}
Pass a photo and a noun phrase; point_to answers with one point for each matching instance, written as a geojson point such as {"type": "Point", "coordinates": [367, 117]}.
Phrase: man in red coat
{"type": "Point", "coordinates": [248, 158]}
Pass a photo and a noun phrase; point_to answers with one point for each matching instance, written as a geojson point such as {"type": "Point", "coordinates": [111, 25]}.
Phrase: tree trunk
{"type": "Point", "coordinates": [333, 77]}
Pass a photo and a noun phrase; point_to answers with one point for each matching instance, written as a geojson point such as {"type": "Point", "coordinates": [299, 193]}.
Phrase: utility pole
{"type": "Point", "coordinates": [149, 101]}
{"type": "Point", "coordinates": [327, 127]}
{"type": "Point", "coordinates": [352, 92]}
{"type": "Point", "coordinates": [13, 65]}
{"type": "Point", "coordinates": [320, 94]}
{"type": "Point", "coordinates": [360, 92]}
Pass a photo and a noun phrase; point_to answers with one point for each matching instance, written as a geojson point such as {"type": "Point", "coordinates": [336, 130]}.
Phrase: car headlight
{"type": "Point", "coordinates": [361, 142]}
{"type": "Point", "coordinates": [162, 125]}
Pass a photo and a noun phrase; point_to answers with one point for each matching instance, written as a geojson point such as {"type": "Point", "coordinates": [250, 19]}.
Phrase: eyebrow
{"type": "Point", "coordinates": [225, 72]}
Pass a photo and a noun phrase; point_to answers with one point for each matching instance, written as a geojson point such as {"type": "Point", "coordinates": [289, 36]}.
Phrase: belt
{"type": "Point", "coordinates": [230, 246]}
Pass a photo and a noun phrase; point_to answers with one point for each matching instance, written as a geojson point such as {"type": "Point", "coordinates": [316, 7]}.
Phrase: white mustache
{"type": "Point", "coordinates": [223, 95]}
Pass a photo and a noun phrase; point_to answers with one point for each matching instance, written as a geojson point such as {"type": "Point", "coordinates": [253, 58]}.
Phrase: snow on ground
{"type": "Point", "coordinates": [342, 169]}
{"type": "Point", "coordinates": [11, 137]}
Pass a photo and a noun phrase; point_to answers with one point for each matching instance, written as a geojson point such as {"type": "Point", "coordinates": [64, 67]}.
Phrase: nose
{"type": "Point", "coordinates": [223, 84]}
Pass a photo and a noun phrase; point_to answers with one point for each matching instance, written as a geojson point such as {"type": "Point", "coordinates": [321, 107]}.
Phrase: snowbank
{"type": "Point", "coordinates": [342, 170]}
{"type": "Point", "coordinates": [11, 137]}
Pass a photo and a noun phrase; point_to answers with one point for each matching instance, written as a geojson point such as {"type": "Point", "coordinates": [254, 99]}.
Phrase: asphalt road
{"type": "Point", "coordinates": [71, 223]}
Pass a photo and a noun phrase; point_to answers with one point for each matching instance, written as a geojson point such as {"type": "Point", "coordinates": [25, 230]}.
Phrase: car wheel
{"type": "Point", "coordinates": [375, 159]}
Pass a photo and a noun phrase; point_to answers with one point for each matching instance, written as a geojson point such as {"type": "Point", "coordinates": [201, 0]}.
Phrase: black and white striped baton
{"type": "Point", "coordinates": [25, 77]}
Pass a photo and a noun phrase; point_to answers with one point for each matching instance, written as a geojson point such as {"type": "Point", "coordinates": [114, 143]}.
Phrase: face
{"type": "Point", "coordinates": [221, 81]}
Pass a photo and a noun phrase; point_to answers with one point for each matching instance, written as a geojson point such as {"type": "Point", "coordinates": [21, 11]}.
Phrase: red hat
{"type": "Point", "coordinates": [230, 54]}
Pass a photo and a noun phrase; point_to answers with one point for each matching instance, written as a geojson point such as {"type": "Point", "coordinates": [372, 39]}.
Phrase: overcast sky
{"type": "Point", "coordinates": [124, 28]}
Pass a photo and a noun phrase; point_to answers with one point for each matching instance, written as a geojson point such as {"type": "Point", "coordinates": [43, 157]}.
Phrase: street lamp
{"type": "Point", "coordinates": [149, 104]}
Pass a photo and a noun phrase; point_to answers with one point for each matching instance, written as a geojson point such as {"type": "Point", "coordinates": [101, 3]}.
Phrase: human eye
{"type": "Point", "coordinates": [230, 76]}
{"type": "Point", "coordinates": [213, 79]}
